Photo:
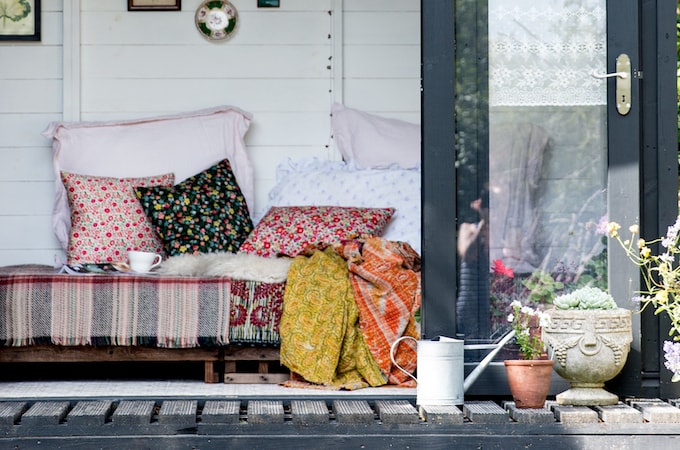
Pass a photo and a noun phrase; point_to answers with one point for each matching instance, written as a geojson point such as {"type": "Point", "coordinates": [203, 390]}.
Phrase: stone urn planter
{"type": "Point", "coordinates": [589, 347]}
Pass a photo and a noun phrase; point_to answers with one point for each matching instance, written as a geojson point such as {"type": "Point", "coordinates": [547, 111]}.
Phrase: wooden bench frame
{"type": "Point", "coordinates": [211, 357]}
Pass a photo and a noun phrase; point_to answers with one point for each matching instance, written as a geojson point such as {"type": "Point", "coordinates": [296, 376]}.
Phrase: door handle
{"type": "Point", "coordinates": [609, 75]}
{"type": "Point", "coordinates": [622, 75]}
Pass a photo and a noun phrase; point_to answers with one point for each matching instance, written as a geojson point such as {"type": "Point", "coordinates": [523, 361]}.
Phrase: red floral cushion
{"type": "Point", "coordinates": [289, 230]}
{"type": "Point", "coordinates": [107, 219]}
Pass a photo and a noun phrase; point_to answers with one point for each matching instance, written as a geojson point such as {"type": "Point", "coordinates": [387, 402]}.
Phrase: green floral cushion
{"type": "Point", "coordinates": [205, 213]}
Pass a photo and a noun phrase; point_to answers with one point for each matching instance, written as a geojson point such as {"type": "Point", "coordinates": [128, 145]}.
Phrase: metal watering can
{"type": "Point", "coordinates": [441, 379]}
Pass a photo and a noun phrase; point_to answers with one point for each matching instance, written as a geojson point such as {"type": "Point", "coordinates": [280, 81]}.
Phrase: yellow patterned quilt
{"type": "Point", "coordinates": [344, 307]}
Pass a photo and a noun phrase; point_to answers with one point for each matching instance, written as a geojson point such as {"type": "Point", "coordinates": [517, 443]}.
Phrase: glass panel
{"type": "Point", "coordinates": [531, 155]}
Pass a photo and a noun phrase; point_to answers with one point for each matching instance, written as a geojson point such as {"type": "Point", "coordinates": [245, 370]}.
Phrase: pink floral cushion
{"type": "Point", "coordinates": [289, 230]}
{"type": "Point", "coordinates": [107, 219]}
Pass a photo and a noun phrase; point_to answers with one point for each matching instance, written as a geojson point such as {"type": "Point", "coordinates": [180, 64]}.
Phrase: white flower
{"type": "Point", "coordinates": [543, 319]}
{"type": "Point", "coordinates": [667, 258]}
{"type": "Point", "coordinates": [528, 311]}
{"type": "Point", "coordinates": [511, 317]}
{"type": "Point", "coordinates": [672, 232]}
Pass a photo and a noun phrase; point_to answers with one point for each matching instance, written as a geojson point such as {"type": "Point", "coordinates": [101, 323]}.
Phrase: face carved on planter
{"type": "Point", "coordinates": [589, 344]}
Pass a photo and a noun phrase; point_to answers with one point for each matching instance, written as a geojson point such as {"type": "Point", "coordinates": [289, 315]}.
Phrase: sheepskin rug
{"type": "Point", "coordinates": [239, 266]}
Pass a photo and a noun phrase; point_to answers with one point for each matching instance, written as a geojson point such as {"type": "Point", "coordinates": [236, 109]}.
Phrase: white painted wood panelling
{"type": "Point", "coordinates": [30, 93]}
{"type": "Point", "coordinates": [27, 197]}
{"type": "Point", "coordinates": [34, 96]}
{"type": "Point", "coordinates": [284, 65]}
{"type": "Point", "coordinates": [44, 63]}
{"type": "Point", "coordinates": [381, 57]}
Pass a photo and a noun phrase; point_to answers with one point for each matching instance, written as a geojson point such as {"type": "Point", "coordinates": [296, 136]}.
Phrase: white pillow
{"type": "Point", "coordinates": [183, 144]}
{"type": "Point", "coordinates": [370, 141]}
{"type": "Point", "coordinates": [305, 182]}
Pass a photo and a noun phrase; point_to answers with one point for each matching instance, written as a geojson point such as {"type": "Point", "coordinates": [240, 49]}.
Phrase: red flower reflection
{"type": "Point", "coordinates": [499, 268]}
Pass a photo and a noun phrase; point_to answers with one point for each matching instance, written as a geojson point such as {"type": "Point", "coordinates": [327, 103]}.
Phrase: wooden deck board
{"type": "Point", "coordinates": [89, 413]}
{"type": "Point", "coordinates": [219, 423]}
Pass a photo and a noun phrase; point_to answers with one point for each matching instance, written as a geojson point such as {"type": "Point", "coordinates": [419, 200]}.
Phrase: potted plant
{"type": "Point", "coordinates": [661, 276]}
{"type": "Point", "coordinates": [589, 338]}
{"type": "Point", "coordinates": [529, 377]}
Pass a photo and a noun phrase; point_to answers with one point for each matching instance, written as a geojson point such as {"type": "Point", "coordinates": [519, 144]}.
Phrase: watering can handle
{"type": "Point", "coordinates": [393, 348]}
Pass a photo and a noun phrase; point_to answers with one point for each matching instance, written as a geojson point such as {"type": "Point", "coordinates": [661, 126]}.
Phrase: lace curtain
{"type": "Point", "coordinates": [544, 52]}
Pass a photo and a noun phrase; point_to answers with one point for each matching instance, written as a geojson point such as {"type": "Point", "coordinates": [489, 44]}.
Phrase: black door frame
{"type": "Point", "coordinates": [438, 174]}
{"type": "Point", "coordinates": [643, 168]}
{"type": "Point", "coordinates": [659, 166]}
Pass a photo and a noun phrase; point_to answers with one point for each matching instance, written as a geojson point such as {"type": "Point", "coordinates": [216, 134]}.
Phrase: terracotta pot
{"type": "Point", "coordinates": [529, 381]}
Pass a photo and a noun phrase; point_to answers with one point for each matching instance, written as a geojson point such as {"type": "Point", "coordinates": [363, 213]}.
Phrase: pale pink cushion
{"type": "Point", "coordinates": [369, 141]}
{"type": "Point", "coordinates": [183, 144]}
{"type": "Point", "coordinates": [107, 219]}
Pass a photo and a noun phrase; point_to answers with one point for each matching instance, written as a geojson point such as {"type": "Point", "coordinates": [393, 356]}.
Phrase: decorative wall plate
{"type": "Point", "coordinates": [216, 20]}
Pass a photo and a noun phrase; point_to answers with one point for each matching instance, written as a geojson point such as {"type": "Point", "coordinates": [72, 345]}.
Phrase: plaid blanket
{"type": "Point", "coordinates": [39, 307]}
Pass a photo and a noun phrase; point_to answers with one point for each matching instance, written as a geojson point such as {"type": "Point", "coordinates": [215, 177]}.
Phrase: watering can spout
{"type": "Point", "coordinates": [472, 377]}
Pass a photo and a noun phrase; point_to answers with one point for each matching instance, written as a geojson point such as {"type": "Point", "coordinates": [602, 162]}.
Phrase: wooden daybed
{"type": "Point", "coordinates": [222, 321]}
{"type": "Point", "coordinates": [50, 317]}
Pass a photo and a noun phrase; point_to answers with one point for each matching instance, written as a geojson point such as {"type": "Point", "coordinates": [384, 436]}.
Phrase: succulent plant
{"type": "Point", "coordinates": [585, 298]}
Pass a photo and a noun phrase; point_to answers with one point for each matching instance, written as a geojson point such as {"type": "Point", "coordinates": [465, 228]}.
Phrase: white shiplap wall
{"type": "Point", "coordinates": [285, 65]}
{"type": "Point", "coordinates": [30, 97]}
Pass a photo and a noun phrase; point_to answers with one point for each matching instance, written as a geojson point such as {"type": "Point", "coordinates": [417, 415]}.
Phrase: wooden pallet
{"type": "Point", "coordinates": [257, 365]}
{"type": "Point", "coordinates": [239, 364]}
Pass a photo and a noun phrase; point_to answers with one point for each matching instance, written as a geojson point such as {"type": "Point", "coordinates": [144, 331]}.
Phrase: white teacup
{"type": "Point", "coordinates": [143, 261]}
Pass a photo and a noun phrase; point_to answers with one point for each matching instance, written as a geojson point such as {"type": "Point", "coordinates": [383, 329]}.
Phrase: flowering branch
{"type": "Point", "coordinates": [661, 279]}
{"type": "Point", "coordinates": [660, 275]}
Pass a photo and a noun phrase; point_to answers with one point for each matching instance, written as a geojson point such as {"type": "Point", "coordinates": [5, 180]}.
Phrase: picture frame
{"type": "Point", "coordinates": [268, 3]}
{"type": "Point", "coordinates": [154, 5]}
{"type": "Point", "coordinates": [24, 25]}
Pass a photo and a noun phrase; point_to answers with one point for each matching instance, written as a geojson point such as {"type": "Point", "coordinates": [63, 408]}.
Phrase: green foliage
{"type": "Point", "coordinates": [542, 287]}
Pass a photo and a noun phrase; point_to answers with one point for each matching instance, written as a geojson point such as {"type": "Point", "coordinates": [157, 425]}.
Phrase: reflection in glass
{"type": "Point", "coordinates": [531, 155]}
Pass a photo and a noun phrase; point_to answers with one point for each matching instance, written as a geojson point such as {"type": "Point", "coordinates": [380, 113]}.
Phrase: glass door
{"type": "Point", "coordinates": [530, 144]}
{"type": "Point", "coordinates": [531, 156]}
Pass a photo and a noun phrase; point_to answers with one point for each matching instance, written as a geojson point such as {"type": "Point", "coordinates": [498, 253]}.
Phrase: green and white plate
{"type": "Point", "coordinates": [216, 20]}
